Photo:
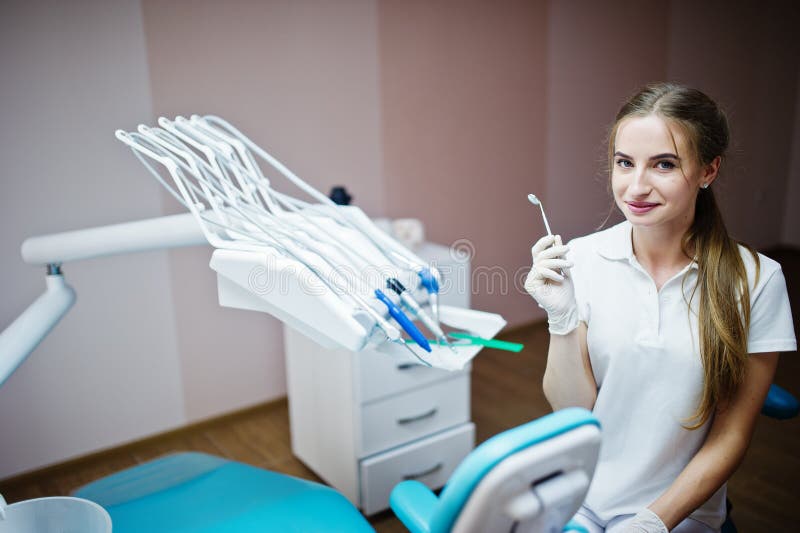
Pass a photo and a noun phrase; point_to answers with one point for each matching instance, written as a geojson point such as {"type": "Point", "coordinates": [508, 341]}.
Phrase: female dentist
{"type": "Point", "coordinates": [664, 326]}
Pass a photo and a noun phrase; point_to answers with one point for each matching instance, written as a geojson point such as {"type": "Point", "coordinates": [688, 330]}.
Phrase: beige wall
{"type": "Point", "coordinates": [485, 102]}
{"type": "Point", "coordinates": [745, 54]}
{"type": "Point", "coordinates": [598, 53]}
{"type": "Point", "coordinates": [463, 105]}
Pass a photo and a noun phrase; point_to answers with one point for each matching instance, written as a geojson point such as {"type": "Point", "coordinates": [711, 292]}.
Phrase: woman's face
{"type": "Point", "coordinates": [653, 185]}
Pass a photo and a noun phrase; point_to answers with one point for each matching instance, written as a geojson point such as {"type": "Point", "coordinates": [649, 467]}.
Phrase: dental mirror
{"type": "Point", "coordinates": [535, 201]}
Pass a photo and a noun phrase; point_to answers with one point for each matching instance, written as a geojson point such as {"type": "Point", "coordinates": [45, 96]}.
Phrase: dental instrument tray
{"type": "Point", "coordinates": [324, 269]}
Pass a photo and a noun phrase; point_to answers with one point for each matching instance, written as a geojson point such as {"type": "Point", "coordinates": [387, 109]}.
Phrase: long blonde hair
{"type": "Point", "coordinates": [724, 295]}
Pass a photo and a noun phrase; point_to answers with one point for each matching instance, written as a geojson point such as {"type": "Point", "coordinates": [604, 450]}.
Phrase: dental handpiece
{"type": "Point", "coordinates": [431, 284]}
{"type": "Point", "coordinates": [425, 318]}
{"type": "Point", "coordinates": [535, 201]}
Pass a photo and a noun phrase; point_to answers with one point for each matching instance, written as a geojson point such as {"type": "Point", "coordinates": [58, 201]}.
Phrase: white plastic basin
{"type": "Point", "coordinates": [54, 515]}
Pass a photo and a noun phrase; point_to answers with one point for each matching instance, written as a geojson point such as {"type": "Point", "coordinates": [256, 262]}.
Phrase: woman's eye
{"type": "Point", "coordinates": [665, 165]}
{"type": "Point", "coordinates": [624, 163]}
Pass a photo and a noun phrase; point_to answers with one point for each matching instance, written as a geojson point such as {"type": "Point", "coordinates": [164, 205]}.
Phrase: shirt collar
{"type": "Point", "coordinates": [616, 244]}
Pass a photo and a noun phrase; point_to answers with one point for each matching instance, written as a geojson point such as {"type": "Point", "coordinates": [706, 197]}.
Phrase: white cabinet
{"type": "Point", "coordinates": [430, 460]}
{"type": "Point", "coordinates": [414, 414]}
{"type": "Point", "coordinates": [364, 423]}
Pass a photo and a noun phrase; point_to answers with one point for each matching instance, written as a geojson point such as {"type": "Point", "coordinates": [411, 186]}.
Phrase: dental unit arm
{"type": "Point", "coordinates": [336, 252]}
{"type": "Point", "coordinates": [318, 267]}
{"type": "Point", "coordinates": [23, 335]}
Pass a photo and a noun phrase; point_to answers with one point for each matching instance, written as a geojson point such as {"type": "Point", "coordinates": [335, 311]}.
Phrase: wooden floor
{"type": "Point", "coordinates": [506, 391]}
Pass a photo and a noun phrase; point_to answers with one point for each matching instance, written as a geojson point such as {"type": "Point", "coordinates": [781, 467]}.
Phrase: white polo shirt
{"type": "Point", "coordinates": [644, 348]}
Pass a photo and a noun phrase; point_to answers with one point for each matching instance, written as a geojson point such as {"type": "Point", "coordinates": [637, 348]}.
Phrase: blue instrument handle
{"type": "Point", "coordinates": [429, 280]}
{"type": "Point", "coordinates": [404, 321]}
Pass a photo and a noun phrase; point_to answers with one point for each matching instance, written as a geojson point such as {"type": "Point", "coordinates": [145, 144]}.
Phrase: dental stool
{"type": "Point", "coordinates": [195, 492]}
{"type": "Point", "coordinates": [532, 478]}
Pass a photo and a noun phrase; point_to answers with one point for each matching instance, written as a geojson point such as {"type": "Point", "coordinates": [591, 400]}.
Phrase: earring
{"type": "Point", "coordinates": [704, 186]}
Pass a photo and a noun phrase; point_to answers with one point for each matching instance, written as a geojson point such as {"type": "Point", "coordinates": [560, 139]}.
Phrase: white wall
{"type": "Point", "coordinates": [73, 72]}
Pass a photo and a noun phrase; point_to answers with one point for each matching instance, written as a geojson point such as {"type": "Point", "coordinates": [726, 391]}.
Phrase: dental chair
{"type": "Point", "coordinates": [529, 478]}
{"type": "Point", "coordinates": [532, 478]}
{"type": "Point", "coordinates": [196, 492]}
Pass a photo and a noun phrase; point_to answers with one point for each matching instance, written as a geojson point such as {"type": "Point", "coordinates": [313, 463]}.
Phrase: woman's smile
{"type": "Point", "coordinates": [640, 208]}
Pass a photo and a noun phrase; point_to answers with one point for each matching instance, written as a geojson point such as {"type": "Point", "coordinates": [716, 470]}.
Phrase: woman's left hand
{"type": "Point", "coordinates": [646, 521]}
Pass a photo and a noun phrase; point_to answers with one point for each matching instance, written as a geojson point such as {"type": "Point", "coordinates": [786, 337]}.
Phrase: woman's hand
{"type": "Point", "coordinates": [646, 521]}
{"type": "Point", "coordinates": [553, 290]}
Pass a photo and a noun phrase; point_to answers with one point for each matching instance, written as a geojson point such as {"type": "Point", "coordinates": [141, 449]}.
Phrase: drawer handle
{"type": "Point", "coordinates": [406, 366]}
{"type": "Point", "coordinates": [424, 472]}
{"type": "Point", "coordinates": [423, 416]}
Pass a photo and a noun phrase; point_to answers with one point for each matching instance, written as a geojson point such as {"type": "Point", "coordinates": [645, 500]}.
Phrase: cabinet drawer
{"type": "Point", "coordinates": [429, 461]}
{"type": "Point", "coordinates": [381, 376]}
{"type": "Point", "coordinates": [414, 414]}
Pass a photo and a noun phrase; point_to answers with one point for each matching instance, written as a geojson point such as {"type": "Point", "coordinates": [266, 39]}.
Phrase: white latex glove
{"type": "Point", "coordinates": [553, 291]}
{"type": "Point", "coordinates": [646, 521]}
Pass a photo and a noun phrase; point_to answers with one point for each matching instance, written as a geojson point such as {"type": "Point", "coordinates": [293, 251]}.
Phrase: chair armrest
{"type": "Point", "coordinates": [574, 526]}
{"type": "Point", "coordinates": [780, 404]}
{"type": "Point", "coordinates": [414, 504]}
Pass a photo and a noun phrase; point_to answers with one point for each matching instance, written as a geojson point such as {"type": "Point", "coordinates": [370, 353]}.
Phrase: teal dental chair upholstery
{"type": "Point", "coordinates": [780, 404]}
{"type": "Point", "coordinates": [199, 493]}
{"type": "Point", "coordinates": [530, 478]}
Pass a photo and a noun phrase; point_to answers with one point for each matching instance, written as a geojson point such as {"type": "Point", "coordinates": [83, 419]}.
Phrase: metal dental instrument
{"type": "Point", "coordinates": [416, 355]}
{"type": "Point", "coordinates": [535, 201]}
{"type": "Point", "coordinates": [415, 308]}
